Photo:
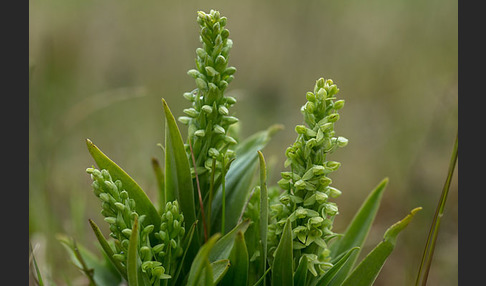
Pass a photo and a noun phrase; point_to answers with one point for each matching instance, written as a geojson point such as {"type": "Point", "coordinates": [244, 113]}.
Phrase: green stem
{"type": "Point", "coordinates": [434, 229]}
{"type": "Point", "coordinates": [211, 187]}
{"type": "Point", "coordinates": [223, 182]}
{"type": "Point", "coordinates": [199, 194]}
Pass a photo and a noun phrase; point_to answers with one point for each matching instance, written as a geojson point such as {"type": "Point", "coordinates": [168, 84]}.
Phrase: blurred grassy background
{"type": "Point", "coordinates": [99, 69]}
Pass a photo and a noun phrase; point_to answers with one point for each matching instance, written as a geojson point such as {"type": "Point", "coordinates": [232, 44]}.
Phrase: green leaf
{"type": "Point", "coordinates": [143, 205]}
{"type": "Point", "coordinates": [201, 261]}
{"type": "Point", "coordinates": [159, 176]}
{"type": "Point", "coordinates": [223, 246]}
{"type": "Point", "coordinates": [97, 271]}
{"type": "Point", "coordinates": [238, 179]}
{"type": "Point", "coordinates": [369, 268]}
{"type": "Point", "coordinates": [132, 255]}
{"type": "Point", "coordinates": [106, 247]}
{"type": "Point", "coordinates": [282, 269]}
{"type": "Point", "coordinates": [300, 275]}
{"type": "Point", "coordinates": [263, 211]}
{"type": "Point", "coordinates": [185, 245]}
{"type": "Point", "coordinates": [220, 268]}
{"type": "Point", "coordinates": [330, 273]}
{"type": "Point", "coordinates": [357, 231]}
{"type": "Point", "coordinates": [38, 277]}
{"type": "Point", "coordinates": [178, 180]}
{"type": "Point", "coordinates": [261, 278]}
{"type": "Point", "coordinates": [207, 279]}
{"type": "Point", "coordinates": [238, 272]}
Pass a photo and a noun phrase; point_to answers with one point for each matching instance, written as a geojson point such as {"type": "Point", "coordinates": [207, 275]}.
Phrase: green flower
{"type": "Point", "coordinates": [119, 212]}
{"type": "Point", "coordinates": [209, 119]}
{"type": "Point", "coordinates": [307, 189]}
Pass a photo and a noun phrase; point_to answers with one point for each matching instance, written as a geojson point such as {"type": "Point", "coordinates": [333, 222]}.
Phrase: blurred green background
{"type": "Point", "coordinates": [98, 70]}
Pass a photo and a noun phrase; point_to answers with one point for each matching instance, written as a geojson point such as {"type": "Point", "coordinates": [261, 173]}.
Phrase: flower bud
{"type": "Point", "coordinates": [333, 117]}
{"type": "Point", "coordinates": [127, 232]}
{"type": "Point", "coordinates": [310, 96]}
{"type": "Point", "coordinates": [191, 112]}
{"type": "Point", "coordinates": [339, 104]}
{"type": "Point", "coordinates": [206, 108]}
{"type": "Point", "coordinates": [201, 84]}
{"type": "Point", "coordinates": [211, 71]}
{"type": "Point", "coordinates": [184, 120]}
{"type": "Point", "coordinates": [110, 220]}
{"type": "Point", "coordinates": [218, 129]}
{"type": "Point", "coordinates": [223, 110]}
{"type": "Point", "coordinates": [213, 152]}
{"type": "Point", "coordinates": [200, 133]}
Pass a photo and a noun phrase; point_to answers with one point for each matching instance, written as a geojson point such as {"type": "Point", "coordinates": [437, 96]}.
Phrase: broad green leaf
{"type": "Point", "coordinates": [357, 231]}
{"type": "Point", "coordinates": [300, 275]}
{"type": "Point", "coordinates": [95, 269]}
{"type": "Point", "coordinates": [143, 205]}
{"type": "Point", "coordinates": [282, 269]}
{"type": "Point", "coordinates": [220, 268]}
{"type": "Point", "coordinates": [238, 179]}
{"type": "Point", "coordinates": [263, 211]}
{"type": "Point", "coordinates": [106, 247]}
{"type": "Point", "coordinates": [330, 273]}
{"type": "Point", "coordinates": [369, 268]}
{"type": "Point", "coordinates": [238, 273]}
{"type": "Point", "coordinates": [201, 261]}
{"type": "Point", "coordinates": [207, 279]}
{"type": "Point", "coordinates": [132, 255]}
{"type": "Point", "coordinates": [223, 246]}
{"type": "Point", "coordinates": [178, 180]}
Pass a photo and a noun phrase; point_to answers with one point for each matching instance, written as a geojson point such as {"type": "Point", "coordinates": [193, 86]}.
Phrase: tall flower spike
{"type": "Point", "coordinates": [208, 119]}
{"type": "Point", "coordinates": [307, 189]}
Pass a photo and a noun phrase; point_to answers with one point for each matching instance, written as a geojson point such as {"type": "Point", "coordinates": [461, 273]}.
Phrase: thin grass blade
{"type": "Point", "coordinates": [99, 273]}
{"type": "Point", "coordinates": [38, 276]}
{"type": "Point", "coordinates": [428, 253]}
{"type": "Point", "coordinates": [263, 211]}
{"type": "Point", "coordinates": [107, 249]}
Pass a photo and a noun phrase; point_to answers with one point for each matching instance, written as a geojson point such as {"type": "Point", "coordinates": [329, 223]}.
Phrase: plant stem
{"type": "Point", "coordinates": [211, 187]}
{"type": "Point", "coordinates": [199, 193]}
{"type": "Point", "coordinates": [223, 182]}
{"type": "Point", "coordinates": [434, 229]}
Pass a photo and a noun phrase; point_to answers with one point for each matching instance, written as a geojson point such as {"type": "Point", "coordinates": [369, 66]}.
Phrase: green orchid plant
{"type": "Point", "coordinates": [217, 221]}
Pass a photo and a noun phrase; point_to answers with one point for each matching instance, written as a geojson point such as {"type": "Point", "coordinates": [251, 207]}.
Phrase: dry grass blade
{"type": "Point", "coordinates": [434, 229]}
